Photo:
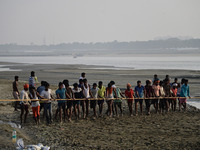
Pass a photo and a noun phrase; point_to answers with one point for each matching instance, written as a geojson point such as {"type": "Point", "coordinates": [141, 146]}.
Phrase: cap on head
{"type": "Point", "coordinates": [26, 86]}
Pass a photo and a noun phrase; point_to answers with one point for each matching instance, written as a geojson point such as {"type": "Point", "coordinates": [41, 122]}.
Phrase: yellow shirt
{"type": "Point", "coordinates": [101, 92]}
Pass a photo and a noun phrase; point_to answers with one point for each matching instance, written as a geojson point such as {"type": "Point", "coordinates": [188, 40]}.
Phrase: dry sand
{"type": "Point", "coordinates": [179, 130]}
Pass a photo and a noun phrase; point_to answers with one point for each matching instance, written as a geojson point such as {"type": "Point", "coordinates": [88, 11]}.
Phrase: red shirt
{"type": "Point", "coordinates": [129, 94]}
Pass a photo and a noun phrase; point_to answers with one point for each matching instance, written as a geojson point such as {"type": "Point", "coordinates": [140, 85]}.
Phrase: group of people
{"type": "Point", "coordinates": [160, 94]}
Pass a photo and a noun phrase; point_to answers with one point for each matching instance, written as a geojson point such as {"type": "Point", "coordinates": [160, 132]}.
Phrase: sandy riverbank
{"type": "Point", "coordinates": [179, 130]}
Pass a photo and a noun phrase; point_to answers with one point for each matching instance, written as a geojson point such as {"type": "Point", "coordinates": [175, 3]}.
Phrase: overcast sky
{"type": "Point", "coordinates": [58, 21]}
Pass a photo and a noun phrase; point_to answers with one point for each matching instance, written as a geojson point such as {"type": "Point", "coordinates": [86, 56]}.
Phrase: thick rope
{"type": "Point", "coordinates": [82, 99]}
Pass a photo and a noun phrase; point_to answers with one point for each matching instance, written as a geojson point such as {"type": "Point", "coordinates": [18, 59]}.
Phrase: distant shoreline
{"type": "Point", "coordinates": [137, 62]}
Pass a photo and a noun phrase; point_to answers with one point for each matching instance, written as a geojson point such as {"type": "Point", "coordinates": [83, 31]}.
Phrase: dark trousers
{"type": "Point", "coordinates": [47, 111]}
{"type": "Point", "coordinates": [148, 103]}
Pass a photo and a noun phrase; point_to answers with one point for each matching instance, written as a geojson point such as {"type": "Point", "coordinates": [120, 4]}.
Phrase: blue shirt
{"type": "Point", "coordinates": [61, 93]}
{"type": "Point", "coordinates": [185, 92]}
{"type": "Point", "coordinates": [140, 91]}
{"type": "Point", "coordinates": [40, 89]}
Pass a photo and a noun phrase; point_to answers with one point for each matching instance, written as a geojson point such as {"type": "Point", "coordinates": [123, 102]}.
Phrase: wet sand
{"type": "Point", "coordinates": [174, 130]}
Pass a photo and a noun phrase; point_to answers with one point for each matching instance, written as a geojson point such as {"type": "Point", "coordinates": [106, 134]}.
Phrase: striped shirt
{"type": "Point", "coordinates": [32, 81]}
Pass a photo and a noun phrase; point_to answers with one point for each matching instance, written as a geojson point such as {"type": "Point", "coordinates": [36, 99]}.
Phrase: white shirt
{"type": "Point", "coordinates": [46, 95]}
{"type": "Point", "coordinates": [34, 103]}
{"type": "Point", "coordinates": [179, 89]}
{"type": "Point", "coordinates": [23, 96]}
{"type": "Point", "coordinates": [94, 92]}
{"type": "Point", "coordinates": [86, 91]}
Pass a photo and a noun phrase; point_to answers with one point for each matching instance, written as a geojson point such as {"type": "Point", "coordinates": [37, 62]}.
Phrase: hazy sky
{"type": "Point", "coordinates": [26, 21]}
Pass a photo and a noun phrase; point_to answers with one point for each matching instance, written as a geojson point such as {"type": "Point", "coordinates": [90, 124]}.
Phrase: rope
{"type": "Point", "coordinates": [82, 99]}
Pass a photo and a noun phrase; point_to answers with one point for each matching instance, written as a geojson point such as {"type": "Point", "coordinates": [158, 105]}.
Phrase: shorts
{"type": "Point", "coordinates": [139, 100]}
{"type": "Point", "coordinates": [148, 103]}
{"type": "Point", "coordinates": [24, 107]}
{"type": "Point", "coordinates": [36, 111]}
{"type": "Point", "coordinates": [183, 100]}
{"type": "Point", "coordinates": [61, 105]}
{"type": "Point", "coordinates": [162, 103]}
{"type": "Point", "coordinates": [93, 103]}
{"type": "Point", "coordinates": [82, 102]}
{"type": "Point", "coordinates": [154, 101]}
{"type": "Point", "coordinates": [76, 102]}
{"type": "Point", "coordinates": [100, 102]}
{"type": "Point", "coordinates": [169, 100]}
{"type": "Point", "coordinates": [69, 103]}
{"type": "Point", "coordinates": [130, 100]}
{"type": "Point", "coordinates": [119, 104]}
{"type": "Point", "coordinates": [15, 95]}
{"type": "Point", "coordinates": [109, 101]}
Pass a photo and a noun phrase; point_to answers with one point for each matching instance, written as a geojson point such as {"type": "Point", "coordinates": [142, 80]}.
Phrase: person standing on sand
{"type": "Point", "coordinates": [129, 93]}
{"type": "Point", "coordinates": [167, 89]}
{"type": "Point", "coordinates": [109, 94]}
{"type": "Point", "coordinates": [113, 86]}
{"type": "Point", "coordinates": [148, 94]}
{"type": "Point", "coordinates": [87, 94]}
{"type": "Point", "coordinates": [60, 94]}
{"type": "Point", "coordinates": [16, 91]}
{"type": "Point", "coordinates": [32, 82]}
{"type": "Point", "coordinates": [174, 94]}
{"type": "Point", "coordinates": [93, 103]}
{"type": "Point", "coordinates": [157, 94]}
{"type": "Point", "coordinates": [185, 92]}
{"type": "Point", "coordinates": [39, 90]}
{"type": "Point", "coordinates": [162, 94]}
{"type": "Point", "coordinates": [46, 94]}
{"type": "Point", "coordinates": [35, 104]}
{"type": "Point", "coordinates": [101, 95]}
{"type": "Point", "coordinates": [118, 101]}
{"type": "Point", "coordinates": [69, 95]}
{"type": "Point", "coordinates": [24, 104]}
{"type": "Point", "coordinates": [179, 90]}
{"type": "Point", "coordinates": [139, 94]}
{"type": "Point", "coordinates": [77, 94]}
